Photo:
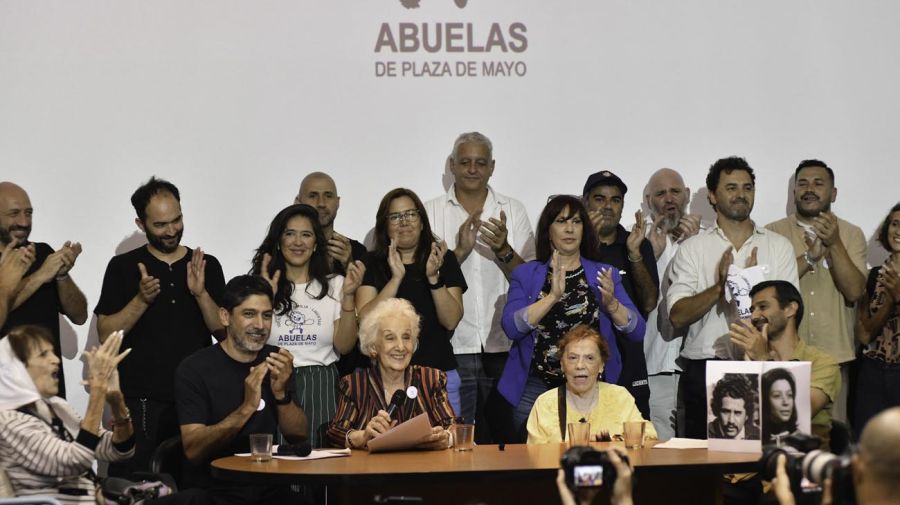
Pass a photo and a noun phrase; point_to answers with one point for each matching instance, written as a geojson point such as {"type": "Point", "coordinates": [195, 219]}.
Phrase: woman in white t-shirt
{"type": "Point", "coordinates": [315, 313]}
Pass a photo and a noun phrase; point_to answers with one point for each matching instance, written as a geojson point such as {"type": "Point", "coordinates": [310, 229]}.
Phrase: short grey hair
{"type": "Point", "coordinates": [472, 137]}
{"type": "Point", "coordinates": [370, 326]}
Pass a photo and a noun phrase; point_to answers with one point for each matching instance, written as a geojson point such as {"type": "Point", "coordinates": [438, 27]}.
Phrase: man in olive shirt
{"type": "Point", "coordinates": [831, 263]}
{"type": "Point", "coordinates": [771, 333]}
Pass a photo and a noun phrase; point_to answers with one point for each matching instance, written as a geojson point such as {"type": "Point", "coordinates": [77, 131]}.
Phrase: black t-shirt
{"type": "Point", "coordinates": [634, 363]}
{"type": "Point", "coordinates": [353, 359]}
{"type": "Point", "coordinates": [172, 327]}
{"type": "Point", "coordinates": [42, 308]}
{"type": "Point", "coordinates": [434, 350]}
{"type": "Point", "coordinates": [209, 386]}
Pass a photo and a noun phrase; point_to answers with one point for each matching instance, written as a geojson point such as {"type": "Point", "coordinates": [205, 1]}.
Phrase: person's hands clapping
{"type": "Point", "coordinates": [253, 386]}
{"type": "Point", "coordinates": [608, 290]}
{"type": "Point", "coordinates": [149, 286]}
{"type": "Point", "coordinates": [281, 368]}
{"type": "Point", "coordinates": [103, 360]}
{"type": "Point", "coordinates": [395, 262]}
{"type": "Point", "coordinates": [558, 279]}
{"type": "Point", "coordinates": [271, 278]}
{"type": "Point", "coordinates": [435, 261]}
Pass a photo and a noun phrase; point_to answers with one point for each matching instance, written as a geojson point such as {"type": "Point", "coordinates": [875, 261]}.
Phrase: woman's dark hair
{"type": "Point", "coordinates": [554, 207]}
{"type": "Point", "coordinates": [319, 264]}
{"type": "Point", "coordinates": [382, 240]}
{"type": "Point", "coordinates": [26, 338]}
{"type": "Point", "coordinates": [883, 238]}
{"type": "Point", "coordinates": [771, 425]}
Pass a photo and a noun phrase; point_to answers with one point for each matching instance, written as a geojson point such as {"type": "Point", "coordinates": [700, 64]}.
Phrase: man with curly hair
{"type": "Point", "coordinates": [733, 405]}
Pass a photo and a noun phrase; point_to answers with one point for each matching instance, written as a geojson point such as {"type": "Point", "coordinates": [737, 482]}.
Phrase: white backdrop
{"type": "Point", "coordinates": [235, 101]}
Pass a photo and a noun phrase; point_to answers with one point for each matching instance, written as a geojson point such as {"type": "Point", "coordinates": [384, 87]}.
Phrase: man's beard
{"type": "Point", "coordinates": [158, 242]}
{"type": "Point", "coordinates": [6, 234]}
{"type": "Point", "coordinates": [733, 214]}
{"type": "Point", "coordinates": [811, 213]}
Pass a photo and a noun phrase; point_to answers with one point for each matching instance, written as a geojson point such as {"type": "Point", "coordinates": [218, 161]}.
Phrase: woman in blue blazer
{"type": "Point", "coordinates": [562, 289]}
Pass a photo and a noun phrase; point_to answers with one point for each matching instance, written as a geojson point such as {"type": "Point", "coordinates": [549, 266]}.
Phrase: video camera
{"type": "Point", "coordinates": [807, 468]}
{"type": "Point", "coordinates": [585, 467]}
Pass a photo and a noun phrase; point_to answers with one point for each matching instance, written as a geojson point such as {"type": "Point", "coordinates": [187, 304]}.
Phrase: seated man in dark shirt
{"type": "Point", "coordinates": [235, 388]}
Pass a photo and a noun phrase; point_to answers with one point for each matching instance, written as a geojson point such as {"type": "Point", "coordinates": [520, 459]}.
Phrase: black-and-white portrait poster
{"type": "Point", "coordinates": [755, 403]}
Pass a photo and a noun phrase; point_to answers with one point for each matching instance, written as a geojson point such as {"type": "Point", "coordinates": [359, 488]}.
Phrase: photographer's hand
{"type": "Point", "coordinates": [621, 492]}
{"type": "Point", "coordinates": [782, 484]}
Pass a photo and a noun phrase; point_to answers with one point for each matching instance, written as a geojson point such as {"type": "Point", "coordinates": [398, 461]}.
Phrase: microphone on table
{"type": "Point", "coordinates": [301, 449]}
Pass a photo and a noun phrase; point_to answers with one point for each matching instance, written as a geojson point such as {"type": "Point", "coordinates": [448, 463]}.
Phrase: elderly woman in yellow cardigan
{"type": "Point", "coordinates": [582, 354]}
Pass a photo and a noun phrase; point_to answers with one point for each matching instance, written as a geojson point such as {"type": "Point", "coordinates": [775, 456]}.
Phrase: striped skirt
{"type": "Point", "coordinates": [317, 394]}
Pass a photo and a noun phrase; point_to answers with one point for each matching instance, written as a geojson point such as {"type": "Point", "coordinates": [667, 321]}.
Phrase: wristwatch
{"type": "Point", "coordinates": [506, 258]}
{"type": "Point", "coordinates": [437, 285]}
{"type": "Point", "coordinates": [810, 262]}
{"type": "Point", "coordinates": [283, 401]}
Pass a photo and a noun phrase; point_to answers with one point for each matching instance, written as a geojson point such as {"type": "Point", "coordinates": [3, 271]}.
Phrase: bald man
{"type": "Point", "coordinates": [318, 190]}
{"type": "Point", "coordinates": [47, 289]}
{"type": "Point", "coordinates": [876, 466]}
{"type": "Point", "coordinates": [667, 225]}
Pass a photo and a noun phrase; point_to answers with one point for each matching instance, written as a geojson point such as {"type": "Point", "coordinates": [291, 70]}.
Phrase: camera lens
{"type": "Point", "coordinates": [816, 465]}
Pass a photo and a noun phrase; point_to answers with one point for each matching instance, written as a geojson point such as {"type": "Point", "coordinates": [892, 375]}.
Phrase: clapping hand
{"type": "Point", "coordinates": [149, 287]}
{"type": "Point", "coordinates": [395, 262]}
{"type": "Point", "coordinates": [271, 278]}
{"type": "Point", "coordinates": [102, 361]}
{"type": "Point", "coordinates": [633, 242]}
{"type": "Point", "coordinates": [608, 290]}
{"type": "Point", "coordinates": [339, 248]}
{"type": "Point", "coordinates": [754, 342]}
{"type": "Point", "coordinates": [196, 273]}
{"type": "Point", "coordinates": [558, 279]}
{"type": "Point", "coordinates": [353, 280]}
{"type": "Point", "coordinates": [435, 261]}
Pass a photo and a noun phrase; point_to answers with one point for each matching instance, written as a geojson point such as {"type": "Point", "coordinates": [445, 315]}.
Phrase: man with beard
{"type": "Point", "coordinates": [318, 190]}
{"type": "Point", "coordinates": [831, 262]}
{"type": "Point", "coordinates": [165, 297]}
{"type": "Point", "coordinates": [696, 298]}
{"type": "Point", "coordinates": [668, 225]}
{"type": "Point", "coordinates": [237, 387]}
{"type": "Point", "coordinates": [632, 254]}
{"type": "Point", "coordinates": [48, 290]}
{"type": "Point", "coordinates": [771, 333]}
{"type": "Point", "coordinates": [733, 406]}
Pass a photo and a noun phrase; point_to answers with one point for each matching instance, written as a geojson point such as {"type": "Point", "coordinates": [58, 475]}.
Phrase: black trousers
{"type": "Point", "coordinates": [154, 421]}
{"type": "Point", "coordinates": [692, 389]}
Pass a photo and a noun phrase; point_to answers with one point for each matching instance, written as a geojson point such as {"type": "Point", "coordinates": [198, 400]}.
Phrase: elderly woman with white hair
{"type": "Point", "coordinates": [389, 335]}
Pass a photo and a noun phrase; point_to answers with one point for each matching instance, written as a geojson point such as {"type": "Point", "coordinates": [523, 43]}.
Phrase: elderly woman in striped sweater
{"type": "Point", "coordinates": [45, 447]}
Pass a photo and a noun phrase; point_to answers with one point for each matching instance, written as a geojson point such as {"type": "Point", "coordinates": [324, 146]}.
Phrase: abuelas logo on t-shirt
{"type": "Point", "coordinates": [301, 324]}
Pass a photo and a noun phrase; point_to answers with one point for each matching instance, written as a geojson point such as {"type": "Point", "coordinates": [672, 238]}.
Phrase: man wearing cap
{"type": "Point", "coordinates": [604, 197]}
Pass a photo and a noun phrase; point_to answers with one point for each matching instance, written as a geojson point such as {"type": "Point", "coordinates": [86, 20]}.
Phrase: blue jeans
{"type": "Point", "coordinates": [453, 389]}
{"type": "Point", "coordinates": [533, 388]}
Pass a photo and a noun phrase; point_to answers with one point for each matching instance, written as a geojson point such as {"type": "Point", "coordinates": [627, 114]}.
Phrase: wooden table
{"type": "Point", "coordinates": [517, 474]}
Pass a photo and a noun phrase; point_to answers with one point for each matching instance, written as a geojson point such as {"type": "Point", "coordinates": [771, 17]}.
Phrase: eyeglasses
{"type": "Point", "coordinates": [409, 216]}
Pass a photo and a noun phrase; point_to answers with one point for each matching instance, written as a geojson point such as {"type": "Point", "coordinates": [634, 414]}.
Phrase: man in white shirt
{"type": "Point", "coordinates": [668, 225]}
{"type": "Point", "coordinates": [490, 234]}
{"type": "Point", "coordinates": [697, 298]}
